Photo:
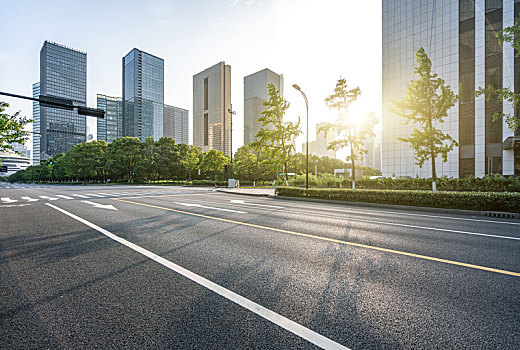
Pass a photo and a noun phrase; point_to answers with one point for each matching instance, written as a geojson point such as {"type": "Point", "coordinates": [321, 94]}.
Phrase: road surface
{"type": "Point", "coordinates": [149, 267]}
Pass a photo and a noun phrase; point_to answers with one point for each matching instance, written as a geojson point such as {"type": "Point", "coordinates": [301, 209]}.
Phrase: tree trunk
{"type": "Point", "coordinates": [353, 166]}
{"type": "Point", "coordinates": [434, 174]}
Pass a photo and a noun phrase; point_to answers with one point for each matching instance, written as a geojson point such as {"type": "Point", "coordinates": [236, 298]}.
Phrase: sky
{"type": "Point", "coordinates": [312, 43]}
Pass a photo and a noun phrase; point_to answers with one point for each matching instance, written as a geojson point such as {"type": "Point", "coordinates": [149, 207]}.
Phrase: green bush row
{"type": "Point", "coordinates": [483, 201]}
{"type": "Point", "coordinates": [484, 184]}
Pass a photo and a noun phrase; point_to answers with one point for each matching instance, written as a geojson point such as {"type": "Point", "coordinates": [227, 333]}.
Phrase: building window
{"type": "Point", "coordinates": [206, 129]}
{"type": "Point", "coordinates": [206, 94]}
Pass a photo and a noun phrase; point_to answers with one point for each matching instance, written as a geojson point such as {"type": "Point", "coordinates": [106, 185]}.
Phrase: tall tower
{"type": "Point", "coordinates": [63, 73]}
{"type": "Point", "coordinates": [143, 95]}
{"type": "Point", "coordinates": [255, 94]}
{"type": "Point", "coordinates": [460, 39]}
{"type": "Point", "coordinates": [176, 123]}
{"type": "Point", "coordinates": [110, 128]}
{"type": "Point", "coordinates": [211, 101]}
{"type": "Point", "coordinates": [36, 125]}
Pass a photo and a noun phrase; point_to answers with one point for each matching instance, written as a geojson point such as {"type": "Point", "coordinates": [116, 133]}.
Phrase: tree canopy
{"type": "Point", "coordinates": [11, 128]}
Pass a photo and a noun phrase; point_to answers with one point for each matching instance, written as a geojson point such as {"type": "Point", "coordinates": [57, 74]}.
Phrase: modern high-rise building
{"type": "Point", "coordinates": [36, 125]}
{"type": "Point", "coordinates": [110, 128]}
{"type": "Point", "coordinates": [143, 95]}
{"type": "Point", "coordinates": [460, 39]}
{"type": "Point", "coordinates": [63, 73]}
{"type": "Point", "coordinates": [211, 104]}
{"type": "Point", "coordinates": [176, 122]}
{"type": "Point", "coordinates": [255, 94]}
{"type": "Point", "coordinates": [319, 147]}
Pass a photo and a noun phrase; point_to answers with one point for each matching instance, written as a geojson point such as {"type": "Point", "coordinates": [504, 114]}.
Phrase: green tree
{"type": "Point", "coordinates": [245, 163]}
{"type": "Point", "coordinates": [509, 35]}
{"type": "Point", "coordinates": [88, 160]}
{"type": "Point", "coordinates": [189, 158]}
{"type": "Point", "coordinates": [427, 102]}
{"type": "Point", "coordinates": [351, 133]}
{"type": "Point", "coordinates": [123, 157]}
{"type": "Point", "coordinates": [275, 136]}
{"type": "Point", "coordinates": [11, 128]}
{"type": "Point", "coordinates": [168, 158]}
{"type": "Point", "coordinates": [62, 167]}
{"type": "Point", "coordinates": [213, 162]}
{"type": "Point", "coordinates": [148, 164]}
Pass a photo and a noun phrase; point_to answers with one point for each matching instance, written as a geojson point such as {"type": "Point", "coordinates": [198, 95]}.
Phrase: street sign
{"type": "Point", "coordinates": [3, 168]}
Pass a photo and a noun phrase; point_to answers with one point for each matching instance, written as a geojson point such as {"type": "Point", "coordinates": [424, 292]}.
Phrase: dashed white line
{"type": "Point", "coordinates": [8, 200]}
{"type": "Point", "coordinates": [80, 196]}
{"type": "Point", "coordinates": [279, 320]}
{"type": "Point", "coordinates": [29, 199]}
{"type": "Point", "coordinates": [49, 198]}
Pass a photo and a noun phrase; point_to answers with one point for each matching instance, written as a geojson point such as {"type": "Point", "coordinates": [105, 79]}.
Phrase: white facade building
{"type": "Point", "coordinates": [211, 104]}
{"type": "Point", "coordinates": [459, 37]}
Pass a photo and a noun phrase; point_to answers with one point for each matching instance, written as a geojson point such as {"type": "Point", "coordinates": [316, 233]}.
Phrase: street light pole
{"type": "Point", "coordinates": [232, 113]}
{"type": "Point", "coordinates": [307, 136]}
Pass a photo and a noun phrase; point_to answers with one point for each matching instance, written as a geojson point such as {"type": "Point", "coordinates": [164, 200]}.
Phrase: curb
{"type": "Point", "coordinates": [495, 214]}
{"type": "Point", "coordinates": [247, 194]}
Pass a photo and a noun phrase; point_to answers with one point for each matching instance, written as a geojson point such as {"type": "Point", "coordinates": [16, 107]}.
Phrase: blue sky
{"type": "Point", "coordinates": [311, 42]}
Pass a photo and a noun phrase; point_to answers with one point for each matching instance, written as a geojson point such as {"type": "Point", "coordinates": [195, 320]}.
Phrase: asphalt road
{"type": "Point", "coordinates": [102, 267]}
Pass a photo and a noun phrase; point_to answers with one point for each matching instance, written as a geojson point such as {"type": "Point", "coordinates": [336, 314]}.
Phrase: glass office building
{"type": "Point", "coordinates": [176, 123]}
{"type": "Point", "coordinates": [255, 94]}
{"type": "Point", "coordinates": [63, 73]}
{"type": "Point", "coordinates": [110, 127]}
{"type": "Point", "coordinates": [36, 125]}
{"type": "Point", "coordinates": [143, 95]}
{"type": "Point", "coordinates": [459, 36]}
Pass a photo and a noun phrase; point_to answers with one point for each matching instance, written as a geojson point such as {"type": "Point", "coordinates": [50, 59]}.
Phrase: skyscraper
{"type": "Point", "coordinates": [176, 123]}
{"type": "Point", "coordinates": [143, 95]}
{"type": "Point", "coordinates": [110, 127]}
{"type": "Point", "coordinates": [211, 101]}
{"type": "Point", "coordinates": [319, 147]}
{"type": "Point", "coordinates": [255, 94]}
{"type": "Point", "coordinates": [63, 73]}
{"type": "Point", "coordinates": [36, 125]}
{"type": "Point", "coordinates": [460, 39]}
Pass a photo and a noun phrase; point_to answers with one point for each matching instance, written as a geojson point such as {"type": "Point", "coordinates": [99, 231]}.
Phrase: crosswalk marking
{"type": "Point", "coordinates": [29, 199]}
{"type": "Point", "coordinates": [8, 200]}
{"type": "Point", "coordinates": [63, 196]}
{"type": "Point", "coordinates": [49, 198]}
{"type": "Point", "coordinates": [79, 195]}
{"type": "Point", "coordinates": [94, 195]}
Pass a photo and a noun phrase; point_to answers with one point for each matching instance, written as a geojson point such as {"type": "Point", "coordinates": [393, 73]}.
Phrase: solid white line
{"type": "Point", "coordinates": [285, 211]}
{"type": "Point", "coordinates": [279, 320]}
{"type": "Point", "coordinates": [206, 207]}
{"type": "Point", "coordinates": [63, 196]}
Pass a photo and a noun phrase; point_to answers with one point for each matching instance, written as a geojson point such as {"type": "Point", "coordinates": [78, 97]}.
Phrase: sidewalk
{"type": "Point", "coordinates": [258, 192]}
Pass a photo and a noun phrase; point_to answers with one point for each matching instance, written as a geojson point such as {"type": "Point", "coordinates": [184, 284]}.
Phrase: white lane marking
{"type": "Point", "coordinates": [13, 205]}
{"type": "Point", "coordinates": [79, 195]}
{"type": "Point", "coordinates": [213, 208]}
{"type": "Point", "coordinates": [279, 320]}
{"type": "Point", "coordinates": [49, 198]}
{"type": "Point", "coordinates": [29, 199]}
{"type": "Point", "coordinates": [391, 224]}
{"type": "Point", "coordinates": [8, 200]}
{"type": "Point", "coordinates": [94, 195]}
{"type": "Point", "coordinates": [99, 205]}
{"type": "Point", "coordinates": [350, 209]}
{"type": "Point", "coordinates": [63, 196]}
{"type": "Point", "coordinates": [237, 201]}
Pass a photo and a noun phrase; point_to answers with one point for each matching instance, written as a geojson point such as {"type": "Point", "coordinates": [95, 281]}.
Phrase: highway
{"type": "Point", "coordinates": [158, 267]}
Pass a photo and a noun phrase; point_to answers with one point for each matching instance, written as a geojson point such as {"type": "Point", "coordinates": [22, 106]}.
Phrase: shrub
{"type": "Point", "coordinates": [489, 201]}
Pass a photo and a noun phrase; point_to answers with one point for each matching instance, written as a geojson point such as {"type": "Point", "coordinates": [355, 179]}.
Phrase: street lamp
{"type": "Point", "coordinates": [307, 135]}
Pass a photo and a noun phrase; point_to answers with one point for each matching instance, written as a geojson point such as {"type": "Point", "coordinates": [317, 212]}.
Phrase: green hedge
{"type": "Point", "coordinates": [485, 201]}
{"type": "Point", "coordinates": [483, 184]}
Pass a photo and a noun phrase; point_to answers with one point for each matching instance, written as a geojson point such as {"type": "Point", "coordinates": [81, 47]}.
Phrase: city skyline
{"type": "Point", "coordinates": [109, 38]}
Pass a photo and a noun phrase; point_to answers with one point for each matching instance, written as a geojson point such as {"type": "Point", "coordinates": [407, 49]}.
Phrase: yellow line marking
{"type": "Point", "coordinates": [386, 250]}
